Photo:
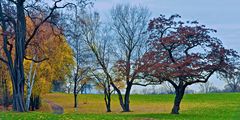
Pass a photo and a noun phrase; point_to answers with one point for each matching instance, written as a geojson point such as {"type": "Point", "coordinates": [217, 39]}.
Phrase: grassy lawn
{"type": "Point", "coordinates": [144, 107]}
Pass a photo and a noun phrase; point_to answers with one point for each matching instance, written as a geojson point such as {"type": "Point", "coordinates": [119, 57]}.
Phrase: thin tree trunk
{"type": "Point", "coordinates": [75, 101]}
{"type": "Point", "coordinates": [107, 96]}
{"type": "Point", "coordinates": [107, 99]}
{"type": "Point", "coordinates": [30, 83]}
{"type": "Point", "coordinates": [32, 103]}
{"type": "Point", "coordinates": [75, 93]}
{"type": "Point", "coordinates": [109, 103]}
{"type": "Point", "coordinates": [119, 96]}
{"type": "Point", "coordinates": [29, 91]}
{"type": "Point", "coordinates": [178, 98]}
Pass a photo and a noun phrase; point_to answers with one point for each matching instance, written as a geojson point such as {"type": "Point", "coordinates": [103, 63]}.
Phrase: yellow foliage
{"type": "Point", "coordinates": [58, 54]}
{"type": "Point", "coordinates": [4, 75]}
{"type": "Point", "coordinates": [48, 44]}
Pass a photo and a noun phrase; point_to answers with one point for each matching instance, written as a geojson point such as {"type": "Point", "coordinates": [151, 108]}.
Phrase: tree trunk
{"type": "Point", "coordinates": [18, 90]}
{"type": "Point", "coordinates": [107, 96]}
{"type": "Point", "coordinates": [107, 99]}
{"type": "Point", "coordinates": [16, 67]}
{"type": "Point", "coordinates": [30, 83]}
{"type": "Point", "coordinates": [37, 102]}
{"type": "Point", "coordinates": [75, 92]}
{"type": "Point", "coordinates": [75, 101]}
{"type": "Point", "coordinates": [109, 104]}
{"type": "Point", "coordinates": [126, 99]}
{"type": "Point", "coordinates": [17, 71]}
{"type": "Point", "coordinates": [5, 102]}
{"type": "Point", "coordinates": [32, 103]}
{"type": "Point", "coordinates": [75, 95]}
{"type": "Point", "coordinates": [18, 99]}
{"type": "Point", "coordinates": [234, 88]}
{"type": "Point", "coordinates": [119, 96]}
{"type": "Point", "coordinates": [28, 99]}
{"type": "Point", "coordinates": [178, 98]}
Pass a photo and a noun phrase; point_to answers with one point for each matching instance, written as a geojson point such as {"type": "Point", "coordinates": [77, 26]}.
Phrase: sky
{"type": "Point", "coordinates": [222, 15]}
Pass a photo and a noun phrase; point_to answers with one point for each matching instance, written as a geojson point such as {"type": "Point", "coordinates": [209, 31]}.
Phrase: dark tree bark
{"type": "Point", "coordinates": [18, 70]}
{"type": "Point", "coordinates": [14, 59]}
{"type": "Point", "coordinates": [75, 92]}
{"type": "Point", "coordinates": [5, 96]}
{"type": "Point", "coordinates": [35, 103]}
{"type": "Point", "coordinates": [120, 97]}
{"type": "Point", "coordinates": [32, 104]}
{"type": "Point", "coordinates": [75, 101]}
{"type": "Point", "coordinates": [107, 99]}
{"type": "Point", "coordinates": [15, 65]}
{"type": "Point", "coordinates": [127, 98]}
{"type": "Point", "coordinates": [179, 91]}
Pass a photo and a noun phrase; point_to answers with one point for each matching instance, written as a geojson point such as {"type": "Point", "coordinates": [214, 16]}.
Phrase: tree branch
{"type": "Point", "coordinates": [143, 84]}
{"type": "Point", "coordinates": [44, 20]}
{"type": "Point", "coordinates": [3, 60]}
{"type": "Point", "coordinates": [36, 61]}
{"type": "Point", "coordinates": [201, 81]}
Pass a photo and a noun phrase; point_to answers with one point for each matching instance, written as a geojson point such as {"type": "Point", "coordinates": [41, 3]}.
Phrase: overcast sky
{"type": "Point", "coordinates": [222, 15]}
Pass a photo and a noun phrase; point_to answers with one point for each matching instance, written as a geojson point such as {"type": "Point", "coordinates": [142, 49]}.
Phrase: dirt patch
{"type": "Point", "coordinates": [57, 109]}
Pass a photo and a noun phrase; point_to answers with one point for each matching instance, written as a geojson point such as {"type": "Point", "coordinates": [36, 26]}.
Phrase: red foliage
{"type": "Point", "coordinates": [185, 52]}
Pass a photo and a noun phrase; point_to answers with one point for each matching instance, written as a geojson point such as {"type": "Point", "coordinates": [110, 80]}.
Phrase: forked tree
{"type": "Point", "coordinates": [184, 54]}
{"type": "Point", "coordinates": [129, 24]}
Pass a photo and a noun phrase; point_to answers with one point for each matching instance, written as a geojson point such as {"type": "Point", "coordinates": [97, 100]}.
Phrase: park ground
{"type": "Point", "coordinates": [218, 106]}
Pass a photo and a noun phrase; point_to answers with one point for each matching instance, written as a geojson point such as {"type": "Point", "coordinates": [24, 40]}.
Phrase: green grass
{"type": "Point", "coordinates": [222, 106]}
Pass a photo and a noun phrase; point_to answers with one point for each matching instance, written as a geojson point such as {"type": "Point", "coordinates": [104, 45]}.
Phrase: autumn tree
{"type": "Point", "coordinates": [13, 23]}
{"type": "Point", "coordinates": [184, 54]}
{"type": "Point", "coordinates": [57, 67]}
{"type": "Point", "coordinates": [49, 46]}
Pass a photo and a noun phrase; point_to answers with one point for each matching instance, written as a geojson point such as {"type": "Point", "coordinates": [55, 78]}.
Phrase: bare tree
{"type": "Point", "coordinates": [232, 80]}
{"type": "Point", "coordinates": [98, 39]}
{"type": "Point", "coordinates": [81, 54]}
{"type": "Point", "coordinates": [207, 87]}
{"type": "Point", "coordinates": [129, 24]}
{"type": "Point", "coordinates": [103, 83]}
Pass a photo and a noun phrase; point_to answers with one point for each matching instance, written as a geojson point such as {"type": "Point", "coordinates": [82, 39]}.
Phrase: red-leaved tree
{"type": "Point", "coordinates": [184, 54]}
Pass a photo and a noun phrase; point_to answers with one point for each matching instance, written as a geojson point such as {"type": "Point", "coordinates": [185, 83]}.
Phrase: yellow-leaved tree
{"type": "Point", "coordinates": [49, 57]}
